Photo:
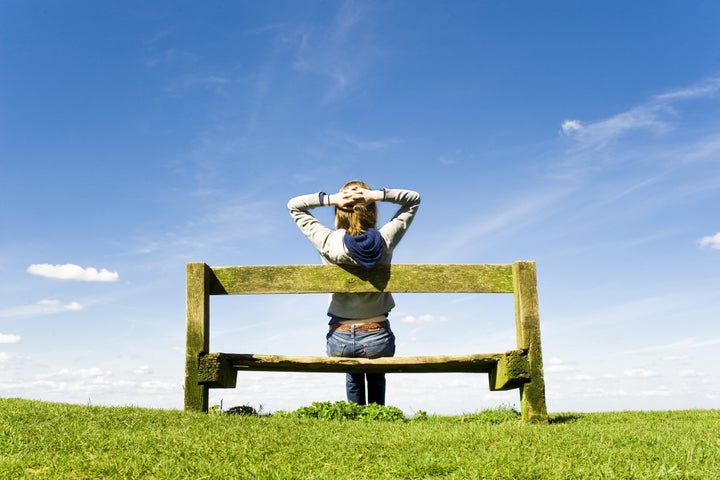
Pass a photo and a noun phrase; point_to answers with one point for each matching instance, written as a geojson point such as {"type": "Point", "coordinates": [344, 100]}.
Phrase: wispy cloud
{"type": "Point", "coordinates": [641, 161]}
{"type": "Point", "coordinates": [658, 115]}
{"type": "Point", "coordinates": [706, 88]}
{"type": "Point", "coordinates": [339, 52]}
{"type": "Point", "coordinates": [79, 373]}
{"type": "Point", "coordinates": [683, 345]}
{"type": "Point", "coordinates": [43, 307]}
{"type": "Point", "coordinates": [515, 216]}
{"type": "Point", "coordinates": [653, 314]}
{"type": "Point", "coordinates": [70, 271]}
{"type": "Point", "coordinates": [364, 145]}
{"type": "Point", "coordinates": [191, 81]}
{"type": "Point", "coordinates": [214, 230]}
{"type": "Point", "coordinates": [599, 134]}
{"type": "Point", "coordinates": [648, 115]}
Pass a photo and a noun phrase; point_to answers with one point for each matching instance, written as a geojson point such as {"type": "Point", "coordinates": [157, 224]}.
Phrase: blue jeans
{"type": "Point", "coordinates": [366, 344]}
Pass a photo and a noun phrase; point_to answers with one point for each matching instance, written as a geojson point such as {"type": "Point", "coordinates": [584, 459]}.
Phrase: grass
{"type": "Point", "coordinates": [59, 441]}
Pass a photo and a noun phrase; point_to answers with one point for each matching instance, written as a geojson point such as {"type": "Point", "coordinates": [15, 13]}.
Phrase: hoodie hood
{"type": "Point", "coordinates": [367, 248]}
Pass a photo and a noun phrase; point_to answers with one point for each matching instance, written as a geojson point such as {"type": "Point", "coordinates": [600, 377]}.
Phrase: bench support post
{"type": "Point", "coordinates": [527, 321]}
{"type": "Point", "coordinates": [198, 334]}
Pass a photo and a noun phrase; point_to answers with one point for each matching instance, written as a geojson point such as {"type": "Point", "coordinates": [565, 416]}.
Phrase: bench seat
{"type": "Point", "coordinates": [506, 370]}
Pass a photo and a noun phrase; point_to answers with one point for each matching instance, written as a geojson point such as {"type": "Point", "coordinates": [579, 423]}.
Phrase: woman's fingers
{"type": "Point", "coordinates": [353, 196]}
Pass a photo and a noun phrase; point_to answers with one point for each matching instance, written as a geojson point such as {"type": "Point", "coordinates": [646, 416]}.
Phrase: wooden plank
{"type": "Point", "coordinates": [197, 334]}
{"type": "Point", "coordinates": [212, 366]}
{"type": "Point", "coordinates": [527, 319]}
{"type": "Point", "coordinates": [283, 279]}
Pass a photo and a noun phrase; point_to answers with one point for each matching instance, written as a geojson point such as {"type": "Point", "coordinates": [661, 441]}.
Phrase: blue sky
{"type": "Point", "coordinates": [138, 136]}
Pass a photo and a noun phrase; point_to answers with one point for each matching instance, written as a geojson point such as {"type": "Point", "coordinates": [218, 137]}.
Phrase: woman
{"type": "Point", "coordinates": [358, 321]}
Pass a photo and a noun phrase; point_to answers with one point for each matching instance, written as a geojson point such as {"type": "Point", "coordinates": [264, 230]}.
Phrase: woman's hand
{"type": "Point", "coordinates": [347, 198]}
{"type": "Point", "coordinates": [363, 195]}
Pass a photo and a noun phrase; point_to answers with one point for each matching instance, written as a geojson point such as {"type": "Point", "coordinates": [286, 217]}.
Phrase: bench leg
{"type": "Point", "coordinates": [196, 396]}
{"type": "Point", "coordinates": [527, 320]}
{"type": "Point", "coordinates": [197, 335]}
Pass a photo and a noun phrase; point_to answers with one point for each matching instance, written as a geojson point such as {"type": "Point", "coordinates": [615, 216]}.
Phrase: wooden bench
{"type": "Point", "coordinates": [516, 369]}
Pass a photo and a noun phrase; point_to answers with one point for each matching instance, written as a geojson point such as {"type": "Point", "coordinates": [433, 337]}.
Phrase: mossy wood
{"type": "Point", "coordinates": [507, 370]}
{"type": "Point", "coordinates": [395, 278]}
{"type": "Point", "coordinates": [521, 369]}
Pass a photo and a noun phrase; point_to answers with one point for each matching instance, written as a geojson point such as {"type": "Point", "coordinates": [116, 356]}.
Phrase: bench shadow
{"type": "Point", "coordinates": [564, 418]}
{"type": "Point", "coordinates": [378, 276]}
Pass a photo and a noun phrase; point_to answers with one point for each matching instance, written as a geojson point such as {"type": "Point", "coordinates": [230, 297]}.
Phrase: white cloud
{"type": "Point", "coordinates": [80, 373]}
{"type": "Point", "coordinates": [599, 134]}
{"type": "Point", "coordinates": [691, 373]}
{"type": "Point", "coordinates": [14, 359]}
{"type": "Point", "coordinates": [676, 358]}
{"type": "Point", "coordinates": [686, 344]}
{"type": "Point", "coordinates": [43, 307]}
{"type": "Point", "coordinates": [80, 385]}
{"type": "Point", "coordinates": [422, 319]}
{"type": "Point", "coordinates": [602, 393]}
{"type": "Point", "coordinates": [712, 242]}
{"type": "Point", "coordinates": [640, 373]}
{"type": "Point", "coordinates": [364, 145]}
{"type": "Point", "coordinates": [157, 386]}
{"type": "Point", "coordinates": [556, 365]}
{"type": "Point", "coordinates": [558, 368]}
{"type": "Point", "coordinates": [661, 392]}
{"type": "Point", "coordinates": [9, 338]}
{"type": "Point", "coordinates": [52, 306]}
{"type": "Point", "coordinates": [69, 271]}
{"type": "Point", "coordinates": [571, 126]}
{"type": "Point", "coordinates": [655, 115]}
{"type": "Point", "coordinates": [142, 370]}
{"type": "Point", "coordinates": [704, 89]}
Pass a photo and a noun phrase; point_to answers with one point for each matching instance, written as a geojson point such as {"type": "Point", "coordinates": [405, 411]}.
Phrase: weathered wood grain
{"type": "Point", "coordinates": [197, 333]}
{"type": "Point", "coordinates": [332, 278]}
{"type": "Point", "coordinates": [506, 370]}
{"type": "Point", "coordinates": [478, 363]}
{"type": "Point", "coordinates": [527, 320]}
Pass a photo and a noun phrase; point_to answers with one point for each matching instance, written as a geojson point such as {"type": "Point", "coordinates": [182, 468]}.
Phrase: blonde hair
{"type": "Point", "coordinates": [362, 216]}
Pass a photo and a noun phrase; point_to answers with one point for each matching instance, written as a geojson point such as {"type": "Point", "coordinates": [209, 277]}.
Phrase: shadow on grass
{"type": "Point", "coordinates": [564, 418]}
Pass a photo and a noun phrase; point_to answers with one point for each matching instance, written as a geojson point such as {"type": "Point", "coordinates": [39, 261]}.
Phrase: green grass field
{"type": "Point", "coordinates": [49, 440]}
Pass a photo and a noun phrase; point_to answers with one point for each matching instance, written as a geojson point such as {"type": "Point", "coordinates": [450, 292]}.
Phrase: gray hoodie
{"type": "Point", "coordinates": [331, 246]}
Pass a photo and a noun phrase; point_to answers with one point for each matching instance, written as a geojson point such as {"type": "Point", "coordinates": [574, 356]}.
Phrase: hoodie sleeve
{"type": "Point", "coordinates": [409, 202]}
{"type": "Point", "coordinates": [327, 241]}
